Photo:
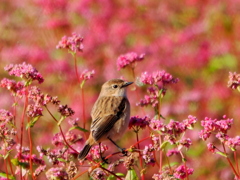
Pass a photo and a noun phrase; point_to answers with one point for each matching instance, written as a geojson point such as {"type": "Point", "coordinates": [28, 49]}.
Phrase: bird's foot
{"type": "Point", "coordinates": [124, 152]}
{"type": "Point", "coordinates": [104, 160]}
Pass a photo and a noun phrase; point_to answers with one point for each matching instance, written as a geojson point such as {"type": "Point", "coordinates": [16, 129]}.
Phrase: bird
{"type": "Point", "coordinates": [110, 115]}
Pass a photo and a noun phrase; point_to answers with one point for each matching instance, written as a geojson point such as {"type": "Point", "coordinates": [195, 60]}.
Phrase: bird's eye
{"type": "Point", "coordinates": [115, 86]}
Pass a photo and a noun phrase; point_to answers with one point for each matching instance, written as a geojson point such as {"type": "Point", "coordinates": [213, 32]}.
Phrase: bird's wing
{"type": "Point", "coordinates": [104, 118]}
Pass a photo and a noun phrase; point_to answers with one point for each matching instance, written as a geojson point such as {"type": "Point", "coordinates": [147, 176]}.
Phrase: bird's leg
{"type": "Point", "coordinates": [123, 150]}
{"type": "Point", "coordinates": [103, 158]}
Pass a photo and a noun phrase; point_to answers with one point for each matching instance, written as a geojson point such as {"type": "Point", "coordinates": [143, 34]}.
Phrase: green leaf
{"type": "Point", "coordinates": [131, 175]}
{"type": "Point", "coordinates": [5, 156]}
{"type": "Point", "coordinates": [82, 84]}
{"type": "Point", "coordinates": [164, 145]}
{"type": "Point", "coordinates": [60, 121]}
{"type": "Point", "coordinates": [4, 175]}
{"type": "Point", "coordinates": [15, 162]}
{"type": "Point", "coordinates": [62, 160]}
{"type": "Point", "coordinates": [112, 177]}
{"type": "Point", "coordinates": [222, 154]}
{"type": "Point", "coordinates": [78, 128]}
{"type": "Point", "coordinates": [32, 122]}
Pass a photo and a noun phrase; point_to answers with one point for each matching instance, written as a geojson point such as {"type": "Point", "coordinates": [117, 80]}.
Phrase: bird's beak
{"type": "Point", "coordinates": [127, 84]}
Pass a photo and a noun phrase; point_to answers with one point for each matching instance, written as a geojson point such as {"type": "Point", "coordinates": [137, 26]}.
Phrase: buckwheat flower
{"type": "Point", "coordinates": [57, 173]}
{"type": "Point", "coordinates": [150, 99]}
{"type": "Point", "coordinates": [182, 172]}
{"type": "Point", "coordinates": [73, 122]}
{"type": "Point", "coordinates": [24, 71]}
{"type": "Point", "coordinates": [204, 135]}
{"type": "Point", "coordinates": [12, 85]}
{"type": "Point", "coordinates": [65, 110]}
{"type": "Point", "coordinates": [148, 155]}
{"type": "Point", "coordinates": [234, 80]}
{"type": "Point", "coordinates": [175, 127]}
{"type": "Point", "coordinates": [39, 170]}
{"type": "Point", "coordinates": [185, 143]}
{"type": "Point", "coordinates": [34, 110]}
{"type": "Point", "coordinates": [224, 125]}
{"type": "Point", "coordinates": [94, 153]}
{"type": "Point", "coordinates": [36, 95]}
{"type": "Point", "coordinates": [189, 122]}
{"type": "Point", "coordinates": [72, 137]}
{"type": "Point", "coordinates": [86, 74]}
{"type": "Point", "coordinates": [157, 125]}
{"type": "Point", "coordinates": [136, 121]}
{"type": "Point", "coordinates": [232, 143]}
{"type": "Point", "coordinates": [128, 59]}
{"type": "Point", "coordinates": [172, 152]}
{"type": "Point", "coordinates": [72, 170]}
{"type": "Point", "coordinates": [98, 174]}
{"type": "Point", "coordinates": [72, 43]}
{"type": "Point", "coordinates": [6, 116]}
{"type": "Point", "coordinates": [160, 78]}
{"type": "Point", "coordinates": [211, 147]}
{"type": "Point", "coordinates": [57, 139]}
{"type": "Point", "coordinates": [222, 136]}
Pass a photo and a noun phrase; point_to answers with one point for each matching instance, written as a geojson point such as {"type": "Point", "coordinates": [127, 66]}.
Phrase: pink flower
{"type": "Point", "coordinates": [232, 143]}
{"type": "Point", "coordinates": [172, 152]}
{"type": "Point", "coordinates": [157, 125]}
{"type": "Point", "coordinates": [13, 86]}
{"type": "Point", "coordinates": [128, 59]}
{"type": "Point", "coordinates": [160, 78]}
{"type": "Point", "coordinates": [86, 74]}
{"type": "Point", "coordinates": [25, 71]}
{"type": "Point", "coordinates": [211, 147]}
{"type": "Point", "coordinates": [234, 80]}
{"type": "Point", "coordinates": [65, 110]}
{"type": "Point", "coordinates": [136, 121]}
{"type": "Point", "coordinates": [73, 43]}
{"type": "Point", "coordinates": [182, 172]}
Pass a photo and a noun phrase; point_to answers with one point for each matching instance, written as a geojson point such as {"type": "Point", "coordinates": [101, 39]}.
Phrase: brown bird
{"type": "Point", "coordinates": [110, 115]}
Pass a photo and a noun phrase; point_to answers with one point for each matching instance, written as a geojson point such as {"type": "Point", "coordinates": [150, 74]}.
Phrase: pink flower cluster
{"type": "Point", "coordinates": [220, 128]}
{"type": "Point", "coordinates": [182, 172]}
{"type": "Point", "coordinates": [174, 129]}
{"type": "Point", "coordinates": [13, 86]}
{"type": "Point", "coordinates": [151, 99]}
{"type": "Point", "coordinates": [128, 59]}
{"type": "Point", "coordinates": [148, 155]}
{"type": "Point", "coordinates": [234, 80]}
{"type": "Point", "coordinates": [72, 43]}
{"type": "Point", "coordinates": [86, 74]}
{"type": "Point", "coordinates": [160, 78]}
{"type": "Point", "coordinates": [137, 122]}
{"type": "Point", "coordinates": [215, 126]}
{"type": "Point", "coordinates": [25, 71]}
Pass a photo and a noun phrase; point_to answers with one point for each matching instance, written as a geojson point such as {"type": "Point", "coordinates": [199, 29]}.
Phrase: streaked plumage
{"type": "Point", "coordinates": [110, 114]}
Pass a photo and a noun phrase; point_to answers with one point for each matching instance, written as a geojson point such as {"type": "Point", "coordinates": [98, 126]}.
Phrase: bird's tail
{"type": "Point", "coordinates": [84, 151]}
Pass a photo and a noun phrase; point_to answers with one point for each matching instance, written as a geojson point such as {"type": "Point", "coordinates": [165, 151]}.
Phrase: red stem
{"type": "Point", "coordinates": [9, 162]}
{"type": "Point", "coordinates": [141, 140]}
{"type": "Point", "coordinates": [80, 174]}
{"type": "Point", "coordinates": [83, 107]}
{"type": "Point", "coordinates": [141, 163]}
{"type": "Point", "coordinates": [61, 131]}
{"type": "Point", "coordinates": [230, 163]}
{"type": "Point", "coordinates": [236, 160]}
{"type": "Point", "coordinates": [5, 164]}
{"type": "Point", "coordinates": [30, 142]}
{"type": "Point", "coordinates": [22, 125]}
{"type": "Point", "coordinates": [66, 141]}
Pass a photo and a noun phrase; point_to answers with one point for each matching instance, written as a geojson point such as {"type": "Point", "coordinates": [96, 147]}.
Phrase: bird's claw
{"type": "Point", "coordinates": [104, 160]}
{"type": "Point", "coordinates": [124, 152]}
